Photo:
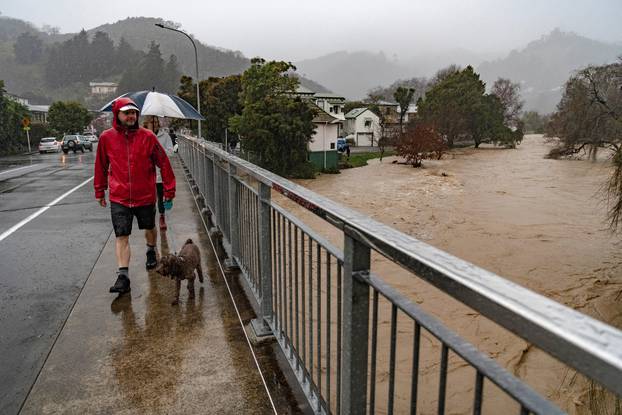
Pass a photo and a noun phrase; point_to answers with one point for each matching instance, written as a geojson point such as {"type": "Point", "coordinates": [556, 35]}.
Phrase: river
{"type": "Point", "coordinates": [538, 222]}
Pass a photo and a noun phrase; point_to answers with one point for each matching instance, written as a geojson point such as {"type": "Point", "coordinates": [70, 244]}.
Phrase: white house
{"type": "Point", "coordinates": [323, 144]}
{"type": "Point", "coordinates": [411, 112]}
{"type": "Point", "coordinates": [363, 125]}
{"type": "Point", "coordinates": [103, 88]}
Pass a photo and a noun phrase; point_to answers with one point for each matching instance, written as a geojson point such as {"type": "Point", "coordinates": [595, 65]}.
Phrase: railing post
{"type": "Point", "coordinates": [355, 327]}
{"type": "Point", "coordinates": [234, 217]}
{"type": "Point", "coordinates": [261, 324]}
{"type": "Point", "coordinates": [216, 182]}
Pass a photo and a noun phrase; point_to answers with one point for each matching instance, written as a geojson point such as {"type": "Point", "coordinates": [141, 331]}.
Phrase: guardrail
{"type": "Point", "coordinates": [324, 305]}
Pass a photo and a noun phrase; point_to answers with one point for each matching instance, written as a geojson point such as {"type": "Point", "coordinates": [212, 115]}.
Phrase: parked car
{"type": "Point", "coordinates": [86, 143]}
{"type": "Point", "coordinates": [49, 144]}
{"type": "Point", "coordinates": [90, 136]}
{"type": "Point", "coordinates": [72, 143]}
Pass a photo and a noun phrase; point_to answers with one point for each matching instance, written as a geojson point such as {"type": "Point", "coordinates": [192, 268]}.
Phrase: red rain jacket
{"type": "Point", "coordinates": [126, 164]}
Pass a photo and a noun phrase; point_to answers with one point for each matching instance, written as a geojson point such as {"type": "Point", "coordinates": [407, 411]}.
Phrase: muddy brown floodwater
{"type": "Point", "coordinates": [538, 222]}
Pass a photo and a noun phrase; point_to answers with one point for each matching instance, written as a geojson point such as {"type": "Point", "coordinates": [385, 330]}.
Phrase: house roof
{"type": "Point", "coordinates": [387, 104]}
{"type": "Point", "coordinates": [356, 112]}
{"type": "Point", "coordinates": [328, 95]}
{"type": "Point", "coordinates": [322, 116]}
{"type": "Point", "coordinates": [303, 90]}
{"type": "Point", "coordinates": [38, 108]}
{"type": "Point", "coordinates": [103, 84]}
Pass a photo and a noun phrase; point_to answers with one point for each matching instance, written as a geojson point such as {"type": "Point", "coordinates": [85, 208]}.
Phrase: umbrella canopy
{"type": "Point", "coordinates": [160, 104]}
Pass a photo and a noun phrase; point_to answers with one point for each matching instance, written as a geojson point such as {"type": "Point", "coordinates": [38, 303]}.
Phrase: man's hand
{"type": "Point", "coordinates": [102, 202]}
{"type": "Point", "coordinates": [168, 204]}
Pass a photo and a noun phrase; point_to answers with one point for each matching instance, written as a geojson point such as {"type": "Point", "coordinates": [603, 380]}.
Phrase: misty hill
{"type": "Point", "coordinates": [29, 79]}
{"type": "Point", "coordinates": [354, 74]}
{"type": "Point", "coordinates": [140, 31]}
{"type": "Point", "coordinates": [544, 65]}
{"type": "Point", "coordinates": [351, 74]}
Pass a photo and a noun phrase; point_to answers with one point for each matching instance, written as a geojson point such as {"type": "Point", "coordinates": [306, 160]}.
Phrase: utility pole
{"type": "Point", "coordinates": [196, 67]}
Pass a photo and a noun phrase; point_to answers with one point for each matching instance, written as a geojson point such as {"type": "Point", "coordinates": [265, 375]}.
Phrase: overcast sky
{"type": "Point", "coordinates": [294, 29]}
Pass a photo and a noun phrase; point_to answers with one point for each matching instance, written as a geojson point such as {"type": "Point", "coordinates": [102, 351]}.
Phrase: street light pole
{"type": "Point", "coordinates": [196, 67]}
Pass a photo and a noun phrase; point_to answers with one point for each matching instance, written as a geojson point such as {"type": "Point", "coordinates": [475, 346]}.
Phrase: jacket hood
{"type": "Point", "coordinates": [116, 106]}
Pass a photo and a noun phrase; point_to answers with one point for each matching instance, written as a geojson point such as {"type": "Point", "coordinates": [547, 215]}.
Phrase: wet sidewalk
{"type": "Point", "coordinates": [137, 354]}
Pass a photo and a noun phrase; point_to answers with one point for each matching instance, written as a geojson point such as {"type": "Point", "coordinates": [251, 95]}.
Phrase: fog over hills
{"type": "Point", "coordinates": [541, 67]}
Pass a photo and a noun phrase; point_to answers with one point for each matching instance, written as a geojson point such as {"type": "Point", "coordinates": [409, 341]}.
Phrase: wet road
{"type": "Point", "coordinates": [69, 346]}
{"type": "Point", "coordinates": [45, 262]}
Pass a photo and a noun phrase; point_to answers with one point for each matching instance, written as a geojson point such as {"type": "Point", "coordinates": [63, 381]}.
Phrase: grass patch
{"type": "Point", "coordinates": [360, 159]}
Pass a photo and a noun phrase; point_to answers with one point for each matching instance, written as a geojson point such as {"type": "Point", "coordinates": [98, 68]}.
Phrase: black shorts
{"type": "Point", "coordinates": [122, 217]}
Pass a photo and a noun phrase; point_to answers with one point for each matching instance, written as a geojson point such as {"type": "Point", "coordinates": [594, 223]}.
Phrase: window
{"type": "Point", "coordinates": [367, 122]}
{"type": "Point", "coordinates": [332, 146]}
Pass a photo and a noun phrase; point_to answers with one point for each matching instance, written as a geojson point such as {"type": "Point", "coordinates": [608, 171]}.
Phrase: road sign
{"type": "Point", "coordinates": [25, 122]}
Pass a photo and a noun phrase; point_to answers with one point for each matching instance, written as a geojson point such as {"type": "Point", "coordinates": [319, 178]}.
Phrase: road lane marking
{"type": "Point", "coordinates": [18, 168]}
{"type": "Point", "coordinates": [8, 232]}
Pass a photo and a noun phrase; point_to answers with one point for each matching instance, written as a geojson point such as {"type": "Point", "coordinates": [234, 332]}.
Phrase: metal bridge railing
{"type": "Point", "coordinates": [325, 306]}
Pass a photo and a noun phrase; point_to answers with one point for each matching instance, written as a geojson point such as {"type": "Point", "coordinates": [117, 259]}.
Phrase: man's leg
{"type": "Point", "coordinates": [146, 220]}
{"type": "Point", "coordinates": [122, 223]}
{"type": "Point", "coordinates": [151, 236]}
{"type": "Point", "coordinates": [160, 193]}
{"type": "Point", "coordinates": [123, 251]}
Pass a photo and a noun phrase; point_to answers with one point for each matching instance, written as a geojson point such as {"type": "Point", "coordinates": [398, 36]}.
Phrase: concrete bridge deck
{"type": "Point", "coordinates": [138, 354]}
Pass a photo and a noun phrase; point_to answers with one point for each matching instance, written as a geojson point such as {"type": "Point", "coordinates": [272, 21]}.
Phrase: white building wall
{"type": "Point", "coordinates": [324, 135]}
{"type": "Point", "coordinates": [365, 135]}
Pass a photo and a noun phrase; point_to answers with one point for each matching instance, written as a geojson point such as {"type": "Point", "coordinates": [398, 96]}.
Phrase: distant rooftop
{"type": "Point", "coordinates": [356, 112]}
{"type": "Point", "coordinates": [328, 95]}
{"type": "Point", "coordinates": [38, 108]}
{"type": "Point", "coordinates": [304, 90]}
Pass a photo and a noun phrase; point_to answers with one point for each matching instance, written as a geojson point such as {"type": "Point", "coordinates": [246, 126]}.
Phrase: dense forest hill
{"type": "Point", "coordinates": [44, 65]}
{"type": "Point", "coordinates": [544, 65]}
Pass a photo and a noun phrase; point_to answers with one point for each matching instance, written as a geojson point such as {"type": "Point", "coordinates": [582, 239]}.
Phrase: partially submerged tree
{"type": "Point", "coordinates": [419, 141]}
{"type": "Point", "coordinates": [508, 93]}
{"type": "Point", "coordinates": [459, 109]}
{"type": "Point", "coordinates": [589, 117]}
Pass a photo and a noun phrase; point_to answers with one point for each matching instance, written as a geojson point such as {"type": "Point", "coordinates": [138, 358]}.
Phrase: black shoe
{"type": "Point", "coordinates": [122, 285]}
{"type": "Point", "coordinates": [152, 261]}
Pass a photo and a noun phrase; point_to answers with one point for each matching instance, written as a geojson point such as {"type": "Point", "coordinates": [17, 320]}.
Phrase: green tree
{"type": "Point", "coordinates": [450, 103]}
{"type": "Point", "coordinates": [149, 73]}
{"type": "Point", "coordinates": [125, 56]}
{"type": "Point", "coordinates": [459, 109]}
{"type": "Point", "coordinates": [68, 117]}
{"type": "Point", "coordinates": [171, 74]}
{"type": "Point", "coordinates": [275, 125]}
{"type": "Point", "coordinates": [222, 102]}
{"type": "Point", "coordinates": [12, 139]}
{"type": "Point", "coordinates": [404, 97]}
{"type": "Point", "coordinates": [101, 56]}
{"type": "Point", "coordinates": [28, 48]}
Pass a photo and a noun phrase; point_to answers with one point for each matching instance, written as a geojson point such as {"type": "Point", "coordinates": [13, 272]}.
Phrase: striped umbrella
{"type": "Point", "coordinates": [159, 104]}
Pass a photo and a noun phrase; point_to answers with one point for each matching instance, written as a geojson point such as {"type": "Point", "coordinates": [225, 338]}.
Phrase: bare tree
{"type": "Point", "coordinates": [589, 117]}
{"type": "Point", "coordinates": [508, 93]}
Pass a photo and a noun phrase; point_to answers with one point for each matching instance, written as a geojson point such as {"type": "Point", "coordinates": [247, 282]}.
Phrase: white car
{"type": "Point", "coordinates": [91, 137]}
{"type": "Point", "coordinates": [49, 144]}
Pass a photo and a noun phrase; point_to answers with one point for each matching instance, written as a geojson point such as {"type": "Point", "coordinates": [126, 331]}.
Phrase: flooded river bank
{"type": "Point", "coordinates": [538, 222]}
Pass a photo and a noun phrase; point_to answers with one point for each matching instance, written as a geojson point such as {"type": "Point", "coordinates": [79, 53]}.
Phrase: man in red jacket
{"type": "Point", "coordinates": [127, 156]}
